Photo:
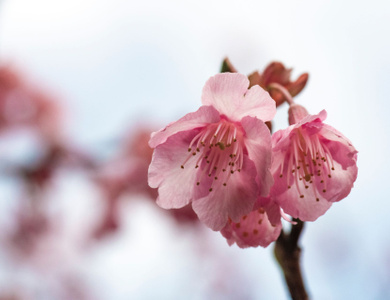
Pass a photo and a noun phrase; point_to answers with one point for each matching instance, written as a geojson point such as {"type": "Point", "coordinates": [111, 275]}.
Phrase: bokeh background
{"type": "Point", "coordinates": [118, 68]}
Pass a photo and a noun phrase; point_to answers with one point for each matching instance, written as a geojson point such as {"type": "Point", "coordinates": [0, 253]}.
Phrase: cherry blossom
{"type": "Point", "coordinates": [260, 227]}
{"type": "Point", "coordinates": [314, 165]}
{"type": "Point", "coordinates": [218, 157]}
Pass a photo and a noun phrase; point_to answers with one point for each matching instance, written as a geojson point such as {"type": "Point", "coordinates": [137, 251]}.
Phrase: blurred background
{"type": "Point", "coordinates": [82, 85]}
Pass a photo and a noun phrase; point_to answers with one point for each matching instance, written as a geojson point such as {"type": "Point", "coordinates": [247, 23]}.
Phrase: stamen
{"type": "Point", "coordinates": [215, 156]}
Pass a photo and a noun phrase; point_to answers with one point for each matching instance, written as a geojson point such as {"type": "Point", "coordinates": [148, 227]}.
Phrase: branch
{"type": "Point", "coordinates": [288, 253]}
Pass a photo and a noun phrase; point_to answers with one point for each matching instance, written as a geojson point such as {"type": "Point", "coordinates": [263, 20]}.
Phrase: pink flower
{"type": "Point", "coordinates": [260, 227]}
{"type": "Point", "coordinates": [314, 165]}
{"type": "Point", "coordinates": [218, 157]}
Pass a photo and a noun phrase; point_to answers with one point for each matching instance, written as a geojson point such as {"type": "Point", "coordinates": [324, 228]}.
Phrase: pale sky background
{"type": "Point", "coordinates": [117, 63]}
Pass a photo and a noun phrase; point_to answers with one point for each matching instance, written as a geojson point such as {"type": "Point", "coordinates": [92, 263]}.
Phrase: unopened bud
{"type": "Point", "coordinates": [296, 113]}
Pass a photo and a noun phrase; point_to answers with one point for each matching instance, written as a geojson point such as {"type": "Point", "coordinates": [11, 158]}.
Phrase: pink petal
{"type": "Point", "coordinates": [252, 230]}
{"type": "Point", "coordinates": [340, 184]}
{"type": "Point", "coordinates": [234, 200]}
{"type": "Point", "coordinates": [175, 185]}
{"type": "Point", "coordinates": [305, 209]}
{"type": "Point", "coordinates": [229, 94]}
{"type": "Point", "coordinates": [258, 144]}
{"type": "Point", "coordinates": [272, 209]}
{"type": "Point", "coordinates": [339, 146]}
{"type": "Point", "coordinates": [203, 116]}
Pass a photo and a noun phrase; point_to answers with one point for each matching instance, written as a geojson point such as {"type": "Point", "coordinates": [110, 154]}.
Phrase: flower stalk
{"type": "Point", "coordinates": [288, 255]}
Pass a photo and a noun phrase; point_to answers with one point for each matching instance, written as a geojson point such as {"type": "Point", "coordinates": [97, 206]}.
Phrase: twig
{"type": "Point", "coordinates": [288, 253]}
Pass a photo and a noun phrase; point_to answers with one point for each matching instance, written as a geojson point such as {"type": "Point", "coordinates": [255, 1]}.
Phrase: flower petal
{"type": "Point", "coordinates": [258, 144]}
{"type": "Point", "coordinates": [175, 184]}
{"type": "Point", "coordinates": [231, 201]}
{"type": "Point", "coordinates": [229, 94]}
{"type": "Point", "coordinates": [254, 229]}
{"type": "Point", "coordinates": [306, 208]}
{"type": "Point", "coordinates": [339, 146]}
{"type": "Point", "coordinates": [340, 184]}
{"type": "Point", "coordinates": [203, 116]}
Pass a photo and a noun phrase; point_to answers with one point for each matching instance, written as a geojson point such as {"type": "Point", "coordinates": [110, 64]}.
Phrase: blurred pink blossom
{"type": "Point", "coordinates": [24, 104]}
{"type": "Point", "coordinates": [218, 157]}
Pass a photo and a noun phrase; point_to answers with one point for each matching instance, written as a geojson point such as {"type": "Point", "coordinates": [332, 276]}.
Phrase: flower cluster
{"type": "Point", "coordinates": [241, 179]}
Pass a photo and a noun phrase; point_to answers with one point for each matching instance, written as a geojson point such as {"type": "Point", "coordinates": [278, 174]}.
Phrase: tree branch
{"type": "Point", "coordinates": [288, 254]}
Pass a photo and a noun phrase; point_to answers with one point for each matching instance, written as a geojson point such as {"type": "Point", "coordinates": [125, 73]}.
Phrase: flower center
{"type": "Point", "coordinates": [308, 160]}
{"type": "Point", "coordinates": [218, 151]}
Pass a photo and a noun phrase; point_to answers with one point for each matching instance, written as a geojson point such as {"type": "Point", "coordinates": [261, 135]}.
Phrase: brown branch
{"type": "Point", "coordinates": [288, 253]}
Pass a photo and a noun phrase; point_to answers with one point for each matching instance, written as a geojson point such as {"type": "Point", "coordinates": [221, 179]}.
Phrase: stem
{"type": "Point", "coordinates": [288, 254]}
{"type": "Point", "coordinates": [283, 90]}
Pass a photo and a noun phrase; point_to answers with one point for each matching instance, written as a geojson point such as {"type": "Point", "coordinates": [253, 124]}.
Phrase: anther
{"type": "Point", "coordinates": [182, 166]}
{"type": "Point", "coordinates": [301, 196]}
